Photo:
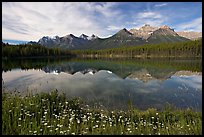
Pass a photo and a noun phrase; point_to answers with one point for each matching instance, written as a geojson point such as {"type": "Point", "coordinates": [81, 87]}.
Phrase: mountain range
{"type": "Point", "coordinates": [190, 34]}
{"type": "Point", "coordinates": [133, 37]}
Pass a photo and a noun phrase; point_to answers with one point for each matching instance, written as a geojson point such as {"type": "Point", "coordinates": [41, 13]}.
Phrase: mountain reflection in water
{"type": "Point", "coordinates": [113, 84]}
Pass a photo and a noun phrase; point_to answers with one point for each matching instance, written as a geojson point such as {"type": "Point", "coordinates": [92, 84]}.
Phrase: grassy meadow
{"type": "Point", "coordinates": [54, 114]}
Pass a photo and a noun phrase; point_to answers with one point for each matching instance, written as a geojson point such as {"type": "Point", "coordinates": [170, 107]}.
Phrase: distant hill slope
{"type": "Point", "coordinates": [165, 34]}
{"type": "Point", "coordinates": [190, 34]}
{"type": "Point", "coordinates": [121, 38]}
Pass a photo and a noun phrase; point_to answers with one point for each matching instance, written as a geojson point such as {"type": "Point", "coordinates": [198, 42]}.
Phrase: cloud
{"type": "Point", "coordinates": [20, 20]}
{"type": "Point", "coordinates": [194, 81]}
{"type": "Point", "coordinates": [194, 25]}
{"type": "Point", "coordinates": [113, 28]}
{"type": "Point", "coordinates": [106, 9]}
{"type": "Point", "coordinates": [33, 20]}
{"type": "Point", "coordinates": [149, 17]}
{"type": "Point", "coordinates": [160, 5]}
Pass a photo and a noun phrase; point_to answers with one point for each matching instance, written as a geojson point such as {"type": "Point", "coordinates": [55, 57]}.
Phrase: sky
{"type": "Point", "coordinates": [30, 21]}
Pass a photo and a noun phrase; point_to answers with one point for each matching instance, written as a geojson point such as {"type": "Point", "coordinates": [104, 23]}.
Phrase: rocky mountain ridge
{"type": "Point", "coordinates": [133, 37]}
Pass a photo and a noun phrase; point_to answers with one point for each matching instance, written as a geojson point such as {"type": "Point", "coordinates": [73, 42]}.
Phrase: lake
{"type": "Point", "coordinates": [110, 83]}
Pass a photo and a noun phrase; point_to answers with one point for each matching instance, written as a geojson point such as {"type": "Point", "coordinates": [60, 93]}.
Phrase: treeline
{"type": "Point", "coordinates": [30, 63]}
{"type": "Point", "coordinates": [178, 49]}
{"type": "Point", "coordinates": [28, 50]}
{"type": "Point", "coordinates": [121, 67]}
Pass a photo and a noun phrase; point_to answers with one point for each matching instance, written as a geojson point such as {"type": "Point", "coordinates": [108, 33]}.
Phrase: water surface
{"type": "Point", "coordinates": [111, 83]}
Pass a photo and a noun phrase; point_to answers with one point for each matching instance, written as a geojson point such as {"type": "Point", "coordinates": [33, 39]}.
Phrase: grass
{"type": "Point", "coordinates": [54, 114]}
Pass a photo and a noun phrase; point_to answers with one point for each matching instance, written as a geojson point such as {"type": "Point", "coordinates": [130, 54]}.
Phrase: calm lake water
{"type": "Point", "coordinates": [111, 83]}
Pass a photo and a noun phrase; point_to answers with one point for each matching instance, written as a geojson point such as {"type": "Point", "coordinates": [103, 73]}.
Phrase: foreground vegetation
{"type": "Point", "coordinates": [53, 114]}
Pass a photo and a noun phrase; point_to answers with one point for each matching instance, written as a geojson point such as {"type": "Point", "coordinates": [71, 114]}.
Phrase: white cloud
{"type": "Point", "coordinates": [194, 25]}
{"type": "Point", "coordinates": [160, 5]}
{"type": "Point", "coordinates": [149, 17]}
{"type": "Point", "coordinates": [113, 28]}
{"type": "Point", "coordinates": [31, 21]}
{"type": "Point", "coordinates": [106, 9]}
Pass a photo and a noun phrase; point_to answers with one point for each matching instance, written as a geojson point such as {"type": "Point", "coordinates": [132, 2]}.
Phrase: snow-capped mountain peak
{"type": "Point", "coordinates": [54, 37]}
{"type": "Point", "coordinates": [92, 37]}
{"type": "Point", "coordinates": [83, 36]}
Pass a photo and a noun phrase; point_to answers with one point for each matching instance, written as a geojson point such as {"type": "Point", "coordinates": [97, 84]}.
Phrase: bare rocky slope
{"type": "Point", "coordinates": [190, 34]}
